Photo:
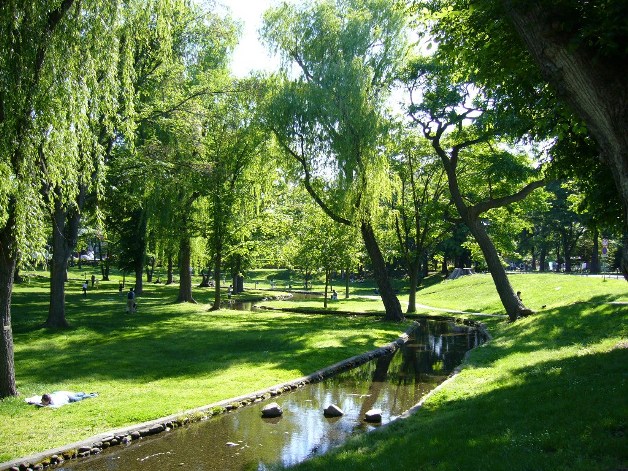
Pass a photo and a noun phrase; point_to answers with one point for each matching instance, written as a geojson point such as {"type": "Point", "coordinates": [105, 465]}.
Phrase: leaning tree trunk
{"type": "Point", "coordinates": [8, 259]}
{"type": "Point", "coordinates": [595, 90]}
{"type": "Point", "coordinates": [185, 277]}
{"type": "Point", "coordinates": [391, 303]}
{"type": "Point", "coordinates": [471, 217]}
{"type": "Point", "coordinates": [513, 305]}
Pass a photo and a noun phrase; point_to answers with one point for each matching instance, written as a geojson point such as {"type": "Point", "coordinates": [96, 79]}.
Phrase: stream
{"type": "Point", "coordinates": [242, 440]}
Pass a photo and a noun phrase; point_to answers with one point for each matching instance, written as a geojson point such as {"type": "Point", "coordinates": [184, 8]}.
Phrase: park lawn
{"type": "Point", "coordinates": [476, 294]}
{"type": "Point", "coordinates": [165, 359]}
{"type": "Point", "coordinates": [547, 393]}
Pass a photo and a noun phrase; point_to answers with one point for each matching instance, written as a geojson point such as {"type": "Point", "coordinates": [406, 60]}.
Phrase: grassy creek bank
{"type": "Point", "coordinates": [547, 393]}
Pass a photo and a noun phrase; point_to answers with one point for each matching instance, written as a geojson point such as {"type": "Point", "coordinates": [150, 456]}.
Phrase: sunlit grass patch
{"type": "Point", "coordinates": [165, 359]}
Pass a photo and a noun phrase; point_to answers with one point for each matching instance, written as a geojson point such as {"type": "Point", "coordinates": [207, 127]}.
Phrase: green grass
{"type": "Point", "coordinates": [165, 359]}
{"type": "Point", "coordinates": [548, 393]}
{"type": "Point", "coordinates": [477, 292]}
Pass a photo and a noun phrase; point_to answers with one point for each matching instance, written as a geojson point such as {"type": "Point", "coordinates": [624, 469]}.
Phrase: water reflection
{"type": "Point", "coordinates": [242, 440]}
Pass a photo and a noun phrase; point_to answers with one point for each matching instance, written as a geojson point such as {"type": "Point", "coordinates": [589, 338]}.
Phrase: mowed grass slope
{"type": "Point", "coordinates": [165, 359]}
{"type": "Point", "coordinates": [549, 392]}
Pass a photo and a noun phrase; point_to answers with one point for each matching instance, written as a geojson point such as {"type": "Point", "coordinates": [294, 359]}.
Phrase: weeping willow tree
{"type": "Point", "coordinates": [328, 111]}
{"type": "Point", "coordinates": [54, 55]}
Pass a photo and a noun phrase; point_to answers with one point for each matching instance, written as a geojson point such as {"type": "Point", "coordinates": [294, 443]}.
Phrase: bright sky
{"type": "Point", "coordinates": [250, 54]}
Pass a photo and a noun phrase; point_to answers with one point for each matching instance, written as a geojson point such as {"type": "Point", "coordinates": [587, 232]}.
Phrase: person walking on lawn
{"type": "Point", "coordinates": [130, 301]}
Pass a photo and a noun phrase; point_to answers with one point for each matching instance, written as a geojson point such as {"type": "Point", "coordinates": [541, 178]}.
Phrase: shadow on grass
{"type": "Point", "coordinates": [164, 339]}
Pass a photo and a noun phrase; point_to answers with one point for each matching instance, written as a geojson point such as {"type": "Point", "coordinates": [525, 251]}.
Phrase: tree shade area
{"type": "Point", "coordinates": [397, 140]}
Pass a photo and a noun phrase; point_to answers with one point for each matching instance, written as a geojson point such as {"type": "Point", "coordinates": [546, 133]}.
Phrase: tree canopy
{"type": "Point", "coordinates": [121, 120]}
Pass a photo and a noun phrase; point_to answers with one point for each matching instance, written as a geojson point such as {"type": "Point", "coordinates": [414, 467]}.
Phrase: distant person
{"type": "Point", "coordinates": [93, 280]}
{"type": "Point", "coordinates": [85, 289]}
{"type": "Point", "coordinates": [120, 288]}
{"type": "Point", "coordinates": [229, 291]}
{"type": "Point", "coordinates": [519, 295]}
{"type": "Point", "coordinates": [334, 295]}
{"type": "Point", "coordinates": [130, 301]}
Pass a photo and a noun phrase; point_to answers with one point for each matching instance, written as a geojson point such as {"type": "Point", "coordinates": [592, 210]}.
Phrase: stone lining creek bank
{"type": "Point", "coordinates": [229, 436]}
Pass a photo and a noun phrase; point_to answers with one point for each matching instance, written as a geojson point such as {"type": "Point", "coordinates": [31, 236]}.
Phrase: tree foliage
{"type": "Point", "coordinates": [328, 111]}
{"type": "Point", "coordinates": [563, 62]}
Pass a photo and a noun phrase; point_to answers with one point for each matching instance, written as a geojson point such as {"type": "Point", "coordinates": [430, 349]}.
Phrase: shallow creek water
{"type": "Point", "coordinates": [242, 440]}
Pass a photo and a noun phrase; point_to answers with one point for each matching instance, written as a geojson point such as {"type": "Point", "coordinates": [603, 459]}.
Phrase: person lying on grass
{"type": "Point", "coordinates": [59, 398]}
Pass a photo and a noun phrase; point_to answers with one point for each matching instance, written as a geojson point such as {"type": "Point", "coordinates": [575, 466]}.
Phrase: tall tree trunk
{"type": "Point", "coordinates": [424, 269]}
{"type": "Point", "coordinates": [542, 255]}
{"type": "Point", "coordinates": [8, 259]}
{"type": "Point", "coordinates": [326, 286]}
{"type": "Point", "coordinates": [413, 273]}
{"type": "Point", "coordinates": [217, 275]}
{"type": "Point", "coordinates": [17, 278]}
{"type": "Point", "coordinates": [595, 254]}
{"type": "Point", "coordinates": [65, 225]}
{"type": "Point", "coordinates": [185, 277]}
{"type": "Point", "coordinates": [595, 91]}
{"type": "Point", "coordinates": [150, 269]}
{"type": "Point", "coordinates": [564, 241]}
{"type": "Point", "coordinates": [140, 247]}
{"type": "Point", "coordinates": [58, 269]}
{"type": "Point", "coordinates": [386, 291]}
{"type": "Point", "coordinates": [169, 279]}
{"type": "Point", "coordinates": [347, 278]}
{"type": "Point", "coordinates": [139, 271]}
{"type": "Point", "coordinates": [104, 264]}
